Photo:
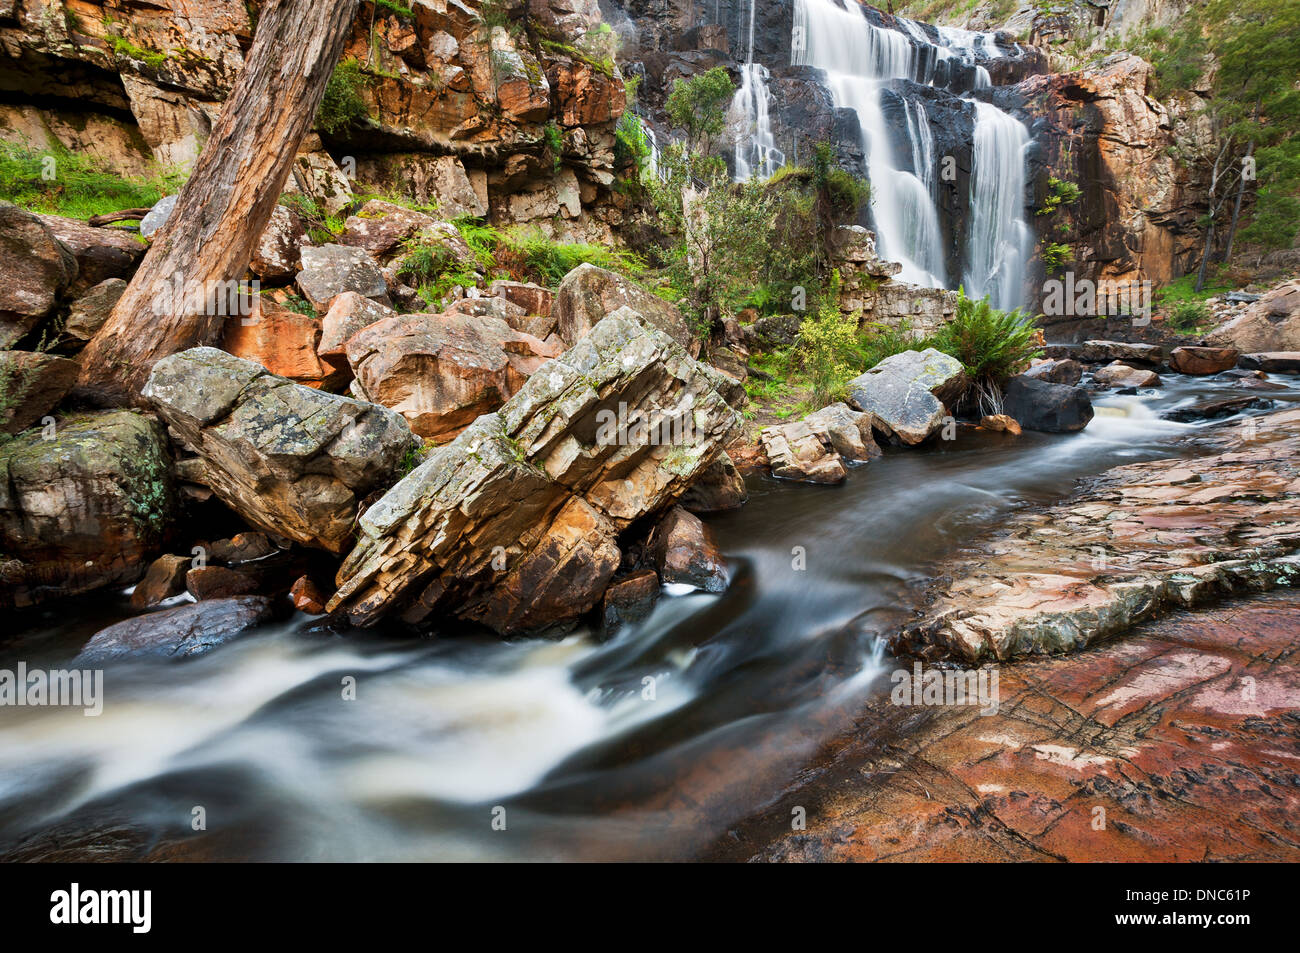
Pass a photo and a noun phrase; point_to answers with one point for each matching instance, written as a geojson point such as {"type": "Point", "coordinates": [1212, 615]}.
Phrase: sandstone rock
{"type": "Point", "coordinates": [583, 95]}
{"type": "Point", "coordinates": [89, 312]}
{"type": "Point", "coordinates": [796, 452]}
{"type": "Point", "coordinates": [1276, 362]}
{"type": "Point", "coordinates": [306, 596]}
{"type": "Point", "coordinates": [1104, 352]}
{"type": "Point", "coordinates": [184, 632]}
{"type": "Point", "coordinates": [1121, 375]}
{"type": "Point", "coordinates": [908, 394]}
{"type": "Point", "coordinates": [277, 253]}
{"type": "Point", "coordinates": [242, 548]}
{"type": "Point", "coordinates": [587, 294]}
{"type": "Point", "coordinates": [1001, 423]}
{"type": "Point", "coordinates": [35, 271]}
{"type": "Point", "coordinates": [316, 175]}
{"type": "Point", "coordinates": [849, 431]}
{"type": "Point", "coordinates": [720, 488]}
{"type": "Point", "coordinates": [348, 313]}
{"type": "Point", "coordinates": [85, 509]}
{"type": "Point", "coordinates": [1202, 360]}
{"type": "Point", "coordinates": [431, 180]}
{"type": "Point", "coordinates": [101, 253]}
{"type": "Point", "coordinates": [218, 582]}
{"type": "Point", "coordinates": [381, 227]}
{"type": "Point", "coordinates": [685, 553]}
{"type": "Point", "coordinates": [1051, 408]}
{"type": "Point", "coordinates": [441, 372]}
{"type": "Point", "coordinates": [282, 341]}
{"type": "Point", "coordinates": [1270, 324]}
{"type": "Point", "coordinates": [330, 270]}
{"type": "Point", "coordinates": [164, 578]}
{"type": "Point", "coordinates": [514, 523]}
{"type": "Point", "coordinates": [536, 303]}
{"type": "Point", "coordinates": [1057, 371]}
{"type": "Point", "coordinates": [631, 599]}
{"type": "Point", "coordinates": [294, 461]}
{"type": "Point", "coordinates": [31, 385]}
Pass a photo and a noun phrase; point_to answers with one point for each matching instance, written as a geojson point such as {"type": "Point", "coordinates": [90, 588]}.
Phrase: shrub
{"type": "Point", "coordinates": [991, 344]}
{"type": "Point", "coordinates": [343, 103]}
{"type": "Point", "coordinates": [1188, 317]}
{"type": "Point", "coordinates": [828, 347]}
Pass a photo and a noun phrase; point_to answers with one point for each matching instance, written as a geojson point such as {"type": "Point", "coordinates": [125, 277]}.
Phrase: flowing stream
{"type": "Point", "coordinates": [647, 745]}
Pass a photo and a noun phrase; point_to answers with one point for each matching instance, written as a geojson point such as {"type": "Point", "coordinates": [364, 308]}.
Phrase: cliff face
{"type": "Point", "coordinates": [464, 97]}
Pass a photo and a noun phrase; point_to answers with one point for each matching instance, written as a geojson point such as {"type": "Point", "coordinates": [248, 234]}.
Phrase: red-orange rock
{"type": "Point", "coordinates": [1203, 360]}
{"type": "Point", "coordinates": [307, 597]}
{"type": "Point", "coordinates": [282, 341]}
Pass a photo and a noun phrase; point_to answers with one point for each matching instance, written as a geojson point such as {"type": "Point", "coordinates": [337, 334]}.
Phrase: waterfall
{"type": "Point", "coordinates": [756, 152]}
{"type": "Point", "coordinates": [998, 242]}
{"type": "Point", "coordinates": [861, 62]}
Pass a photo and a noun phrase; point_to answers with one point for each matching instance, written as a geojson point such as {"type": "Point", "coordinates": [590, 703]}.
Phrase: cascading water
{"type": "Point", "coordinates": [861, 61]}
{"type": "Point", "coordinates": [756, 153]}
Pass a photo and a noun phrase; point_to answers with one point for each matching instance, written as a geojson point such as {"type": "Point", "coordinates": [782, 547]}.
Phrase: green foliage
{"type": "Point", "coordinates": [125, 49]}
{"type": "Point", "coordinates": [545, 261]}
{"type": "Point", "coordinates": [59, 182]}
{"type": "Point", "coordinates": [1059, 192]}
{"type": "Point", "coordinates": [631, 144]}
{"type": "Point", "coordinates": [699, 105]}
{"type": "Point", "coordinates": [843, 193]}
{"type": "Point", "coordinates": [828, 347]}
{"type": "Point", "coordinates": [992, 345]}
{"type": "Point", "coordinates": [879, 341]}
{"type": "Point", "coordinates": [602, 64]}
{"type": "Point", "coordinates": [1188, 317]}
{"type": "Point", "coordinates": [1055, 255]}
{"type": "Point", "coordinates": [391, 6]}
{"type": "Point", "coordinates": [554, 139]}
{"type": "Point", "coordinates": [1183, 307]}
{"type": "Point", "coordinates": [343, 103]}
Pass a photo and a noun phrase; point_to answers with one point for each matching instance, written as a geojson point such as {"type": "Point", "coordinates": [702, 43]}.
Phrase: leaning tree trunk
{"type": "Point", "coordinates": [1236, 209]}
{"type": "Point", "coordinates": [222, 210]}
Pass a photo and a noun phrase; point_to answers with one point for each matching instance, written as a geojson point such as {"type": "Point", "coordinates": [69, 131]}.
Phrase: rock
{"type": "Point", "coordinates": [218, 582]}
{"type": "Point", "coordinates": [440, 181]}
{"type": "Point", "coordinates": [164, 579]}
{"type": "Point", "coordinates": [1140, 540]}
{"type": "Point", "coordinates": [849, 432]}
{"type": "Point", "coordinates": [583, 95]}
{"type": "Point", "coordinates": [515, 522]}
{"type": "Point", "coordinates": [1216, 408]}
{"type": "Point", "coordinates": [441, 372]}
{"type": "Point", "coordinates": [87, 508]}
{"type": "Point", "coordinates": [242, 548]}
{"type": "Point", "coordinates": [631, 599]}
{"type": "Point", "coordinates": [277, 254]}
{"type": "Point", "coordinates": [31, 385]}
{"type": "Point", "coordinates": [587, 294]}
{"type": "Point", "coordinates": [1202, 360]}
{"type": "Point", "coordinates": [1276, 362]}
{"type": "Point", "coordinates": [535, 302]}
{"type": "Point", "coordinates": [1050, 408]}
{"type": "Point", "coordinates": [771, 333]}
{"type": "Point", "coordinates": [908, 394]}
{"type": "Point", "coordinates": [280, 340]}
{"type": "Point", "coordinates": [1270, 324]}
{"type": "Point", "coordinates": [89, 312]}
{"type": "Point", "coordinates": [102, 254]}
{"type": "Point", "coordinates": [1105, 352]}
{"type": "Point", "coordinates": [685, 553]}
{"type": "Point", "coordinates": [184, 632]}
{"type": "Point", "coordinates": [348, 313]}
{"type": "Point", "coordinates": [35, 271]}
{"type": "Point", "coordinates": [157, 216]}
{"type": "Point", "coordinates": [1121, 375]}
{"type": "Point", "coordinates": [1001, 423]}
{"type": "Point", "coordinates": [1058, 371]}
{"type": "Point", "coordinates": [306, 596]}
{"type": "Point", "coordinates": [720, 488]}
{"type": "Point", "coordinates": [291, 460]}
{"type": "Point", "coordinates": [380, 228]}
{"type": "Point", "coordinates": [796, 452]}
{"type": "Point", "coordinates": [330, 270]}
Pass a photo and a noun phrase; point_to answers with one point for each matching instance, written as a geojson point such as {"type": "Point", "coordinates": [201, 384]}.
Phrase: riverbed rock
{"type": "Point", "coordinates": [686, 554]}
{"type": "Point", "coordinates": [797, 452]}
{"type": "Point", "coordinates": [1001, 423]}
{"type": "Point", "coordinates": [1140, 540]}
{"type": "Point", "coordinates": [100, 253]}
{"type": "Point", "coordinates": [849, 431]}
{"type": "Point", "coordinates": [1202, 360]}
{"type": "Point", "coordinates": [588, 293]}
{"type": "Point", "coordinates": [631, 599]}
{"type": "Point", "coordinates": [442, 371]}
{"type": "Point", "coordinates": [307, 597]}
{"type": "Point", "coordinates": [1105, 352]}
{"type": "Point", "coordinates": [909, 394]}
{"type": "Point", "coordinates": [87, 507]}
{"type": "Point", "coordinates": [242, 548]}
{"type": "Point", "coordinates": [1274, 362]}
{"type": "Point", "coordinates": [1271, 323]}
{"type": "Point", "coordinates": [220, 582]}
{"type": "Point", "coordinates": [515, 522]}
{"type": "Point", "coordinates": [291, 460]}
{"type": "Point", "coordinates": [31, 385]}
{"type": "Point", "coordinates": [36, 269]}
{"type": "Point", "coordinates": [1122, 375]}
{"type": "Point", "coordinates": [1216, 408]}
{"type": "Point", "coordinates": [180, 633]}
{"type": "Point", "coordinates": [1056, 371]}
{"type": "Point", "coordinates": [164, 579]}
{"type": "Point", "coordinates": [89, 312]}
{"type": "Point", "coordinates": [1051, 408]}
{"type": "Point", "coordinates": [719, 488]}
{"type": "Point", "coordinates": [330, 270]}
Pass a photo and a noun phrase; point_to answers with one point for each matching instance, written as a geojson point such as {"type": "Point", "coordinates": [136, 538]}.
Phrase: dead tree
{"type": "Point", "coordinates": [227, 202]}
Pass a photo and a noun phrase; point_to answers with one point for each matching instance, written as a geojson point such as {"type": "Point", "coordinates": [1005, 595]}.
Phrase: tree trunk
{"type": "Point", "coordinates": [1236, 209]}
{"type": "Point", "coordinates": [222, 210]}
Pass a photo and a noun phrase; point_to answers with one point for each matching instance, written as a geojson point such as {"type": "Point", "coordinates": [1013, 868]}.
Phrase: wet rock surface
{"type": "Point", "coordinates": [183, 632]}
{"type": "Point", "coordinates": [909, 394]}
{"type": "Point", "coordinates": [1051, 408]}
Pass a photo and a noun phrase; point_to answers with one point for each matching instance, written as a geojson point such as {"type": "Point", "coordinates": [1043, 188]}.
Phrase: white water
{"type": "Point", "coordinates": [756, 153]}
{"type": "Point", "coordinates": [861, 61]}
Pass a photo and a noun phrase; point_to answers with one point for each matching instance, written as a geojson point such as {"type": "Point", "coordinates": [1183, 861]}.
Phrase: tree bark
{"type": "Point", "coordinates": [1236, 209]}
{"type": "Point", "coordinates": [228, 201]}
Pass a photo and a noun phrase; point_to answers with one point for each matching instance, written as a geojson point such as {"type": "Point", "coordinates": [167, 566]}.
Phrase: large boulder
{"type": "Point", "coordinates": [909, 394]}
{"type": "Point", "coordinates": [347, 314]}
{"type": "Point", "coordinates": [101, 253]}
{"type": "Point", "coordinates": [1203, 360]}
{"type": "Point", "coordinates": [1056, 371]}
{"type": "Point", "coordinates": [685, 553]}
{"type": "Point", "coordinates": [330, 270]}
{"type": "Point", "coordinates": [441, 371]}
{"type": "Point", "coordinates": [514, 524]}
{"type": "Point", "coordinates": [31, 385]}
{"type": "Point", "coordinates": [380, 228]}
{"type": "Point", "coordinates": [36, 269]}
{"type": "Point", "coordinates": [84, 505]}
{"type": "Point", "coordinates": [283, 341]}
{"type": "Point", "coordinates": [1104, 352]}
{"type": "Point", "coordinates": [796, 452]}
{"type": "Point", "coordinates": [1270, 324]}
{"type": "Point", "coordinates": [1275, 362]}
{"type": "Point", "coordinates": [289, 459]}
{"type": "Point", "coordinates": [587, 294]}
{"type": "Point", "coordinates": [1122, 375]}
{"type": "Point", "coordinates": [849, 431]}
{"type": "Point", "coordinates": [277, 253]}
{"type": "Point", "coordinates": [1041, 405]}
{"type": "Point", "coordinates": [184, 632]}
{"type": "Point", "coordinates": [720, 488]}
{"type": "Point", "coordinates": [90, 312]}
